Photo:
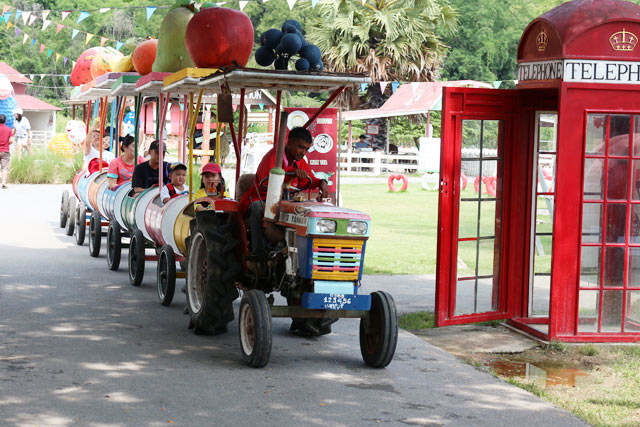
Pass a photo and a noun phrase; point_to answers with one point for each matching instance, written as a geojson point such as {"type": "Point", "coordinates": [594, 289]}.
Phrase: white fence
{"type": "Point", "coordinates": [40, 138]}
{"type": "Point", "coordinates": [377, 163]}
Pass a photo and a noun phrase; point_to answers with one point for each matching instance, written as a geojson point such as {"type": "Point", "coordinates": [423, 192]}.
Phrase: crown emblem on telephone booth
{"type": "Point", "coordinates": [623, 41]}
{"type": "Point", "coordinates": [542, 40]}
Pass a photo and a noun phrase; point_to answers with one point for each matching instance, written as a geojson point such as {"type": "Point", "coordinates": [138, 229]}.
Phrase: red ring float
{"type": "Point", "coordinates": [489, 182]}
{"type": "Point", "coordinates": [463, 181]}
{"type": "Point", "coordinates": [392, 178]}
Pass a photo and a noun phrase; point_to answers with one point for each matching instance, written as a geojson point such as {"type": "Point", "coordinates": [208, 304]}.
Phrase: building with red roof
{"type": "Point", "coordinates": [41, 115]}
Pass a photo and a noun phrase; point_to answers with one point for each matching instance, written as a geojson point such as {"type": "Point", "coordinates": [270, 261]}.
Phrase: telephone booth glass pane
{"type": "Point", "coordinates": [542, 205]}
{"type": "Point", "coordinates": [478, 269]}
{"type": "Point", "coordinates": [610, 258]}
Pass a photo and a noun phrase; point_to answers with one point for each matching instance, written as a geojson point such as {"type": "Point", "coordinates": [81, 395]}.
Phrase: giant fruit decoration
{"type": "Point", "coordinates": [219, 37]}
{"type": "Point", "coordinates": [81, 72]}
{"type": "Point", "coordinates": [104, 61]}
{"type": "Point", "coordinates": [278, 47]}
{"type": "Point", "coordinates": [144, 55]}
{"type": "Point", "coordinates": [7, 100]}
{"type": "Point", "coordinates": [171, 53]}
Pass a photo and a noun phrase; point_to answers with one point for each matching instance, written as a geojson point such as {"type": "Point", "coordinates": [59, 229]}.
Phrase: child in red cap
{"type": "Point", "coordinates": [211, 183]}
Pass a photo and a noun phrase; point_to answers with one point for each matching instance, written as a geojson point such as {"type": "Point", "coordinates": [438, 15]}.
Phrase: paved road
{"type": "Point", "coordinates": [79, 346]}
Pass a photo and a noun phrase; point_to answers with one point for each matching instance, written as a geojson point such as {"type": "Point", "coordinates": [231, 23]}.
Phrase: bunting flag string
{"type": "Point", "coordinates": [103, 40]}
{"type": "Point", "coordinates": [150, 10]}
{"type": "Point", "coordinates": [83, 15]}
{"type": "Point", "coordinates": [60, 27]}
{"type": "Point", "coordinates": [65, 14]}
{"type": "Point", "coordinates": [74, 33]}
{"type": "Point", "coordinates": [25, 17]}
{"type": "Point", "coordinates": [32, 19]}
{"type": "Point", "coordinates": [25, 38]}
{"type": "Point", "coordinates": [88, 37]}
{"type": "Point", "coordinates": [45, 14]}
{"type": "Point", "coordinates": [45, 24]}
{"type": "Point", "coordinates": [291, 3]}
{"type": "Point", "coordinates": [243, 3]}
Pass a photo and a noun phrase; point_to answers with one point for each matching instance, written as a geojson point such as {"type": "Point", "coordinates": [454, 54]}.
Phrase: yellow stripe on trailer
{"type": "Point", "coordinates": [188, 73]}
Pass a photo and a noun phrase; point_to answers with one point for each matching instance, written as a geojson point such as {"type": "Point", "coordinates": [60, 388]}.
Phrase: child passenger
{"type": "Point", "coordinates": [211, 183]}
{"type": "Point", "coordinates": [177, 186]}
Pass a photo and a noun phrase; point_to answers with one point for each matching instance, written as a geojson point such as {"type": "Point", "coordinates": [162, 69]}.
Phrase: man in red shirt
{"type": "Point", "coordinates": [251, 204]}
{"type": "Point", "coordinates": [6, 139]}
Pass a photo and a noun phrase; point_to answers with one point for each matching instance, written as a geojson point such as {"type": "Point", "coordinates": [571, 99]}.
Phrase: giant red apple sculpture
{"type": "Point", "coordinates": [219, 37]}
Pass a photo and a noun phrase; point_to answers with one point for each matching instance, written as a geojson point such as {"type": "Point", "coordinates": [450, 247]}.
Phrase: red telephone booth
{"type": "Point", "coordinates": [549, 235]}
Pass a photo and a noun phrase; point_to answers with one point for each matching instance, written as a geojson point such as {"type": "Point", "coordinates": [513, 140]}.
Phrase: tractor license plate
{"type": "Point", "coordinates": [336, 301]}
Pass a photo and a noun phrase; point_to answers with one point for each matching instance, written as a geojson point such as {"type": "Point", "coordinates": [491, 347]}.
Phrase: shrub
{"type": "Point", "coordinates": [43, 167]}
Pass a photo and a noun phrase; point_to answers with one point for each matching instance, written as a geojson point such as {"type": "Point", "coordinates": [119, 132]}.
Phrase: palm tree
{"type": "Point", "coordinates": [390, 40]}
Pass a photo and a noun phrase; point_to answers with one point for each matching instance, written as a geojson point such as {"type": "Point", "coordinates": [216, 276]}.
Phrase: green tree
{"type": "Point", "coordinates": [389, 40]}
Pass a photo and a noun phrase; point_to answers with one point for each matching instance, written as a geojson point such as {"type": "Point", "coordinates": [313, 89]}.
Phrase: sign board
{"type": "Point", "coordinates": [373, 129]}
{"type": "Point", "coordinates": [323, 155]}
{"type": "Point", "coordinates": [581, 71]}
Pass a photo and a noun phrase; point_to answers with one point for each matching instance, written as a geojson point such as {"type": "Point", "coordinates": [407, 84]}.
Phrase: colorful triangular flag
{"type": "Point", "coordinates": [291, 3]}
{"type": "Point", "coordinates": [17, 32]}
{"type": "Point", "coordinates": [314, 3]}
{"type": "Point", "coordinates": [65, 60]}
{"type": "Point", "coordinates": [9, 24]}
{"type": "Point", "coordinates": [65, 77]}
{"type": "Point", "coordinates": [58, 57]}
{"type": "Point", "coordinates": [25, 38]}
{"type": "Point", "coordinates": [243, 4]}
{"type": "Point", "coordinates": [33, 41]}
{"type": "Point", "coordinates": [32, 19]}
{"type": "Point", "coordinates": [18, 13]}
{"type": "Point", "coordinates": [31, 76]}
{"type": "Point", "coordinates": [49, 52]}
{"type": "Point", "coordinates": [5, 8]}
{"type": "Point", "coordinates": [119, 45]}
{"type": "Point", "coordinates": [65, 14]}
{"type": "Point", "coordinates": [45, 24]}
{"type": "Point", "coordinates": [7, 16]}
{"type": "Point", "coordinates": [41, 48]}
{"type": "Point", "coordinates": [103, 40]}
{"type": "Point", "coordinates": [60, 27]}
{"type": "Point", "coordinates": [83, 15]}
{"type": "Point", "coordinates": [394, 86]}
{"type": "Point", "coordinates": [73, 64]}
{"type": "Point", "coordinates": [383, 86]}
{"type": "Point", "coordinates": [150, 10]}
{"type": "Point", "coordinates": [104, 9]}
{"type": "Point", "coordinates": [89, 37]}
{"type": "Point", "coordinates": [45, 13]}
{"type": "Point", "coordinates": [261, 105]}
{"type": "Point", "coordinates": [25, 17]}
{"type": "Point", "coordinates": [363, 86]}
{"type": "Point", "coordinates": [496, 84]}
{"type": "Point", "coordinates": [41, 77]}
{"type": "Point", "coordinates": [74, 33]}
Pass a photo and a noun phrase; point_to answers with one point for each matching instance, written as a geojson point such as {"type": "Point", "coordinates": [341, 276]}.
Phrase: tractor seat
{"type": "Point", "coordinates": [244, 183]}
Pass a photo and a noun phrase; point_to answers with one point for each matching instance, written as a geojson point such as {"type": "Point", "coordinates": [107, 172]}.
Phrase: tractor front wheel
{"type": "Point", "coordinates": [254, 324]}
{"type": "Point", "coordinates": [379, 331]}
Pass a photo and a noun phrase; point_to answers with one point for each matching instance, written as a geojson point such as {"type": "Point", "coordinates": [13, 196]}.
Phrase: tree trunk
{"type": "Point", "coordinates": [373, 98]}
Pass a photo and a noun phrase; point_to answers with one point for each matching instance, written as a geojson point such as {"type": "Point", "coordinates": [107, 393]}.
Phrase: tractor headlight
{"type": "Point", "coordinates": [326, 226]}
{"type": "Point", "coordinates": [357, 227]}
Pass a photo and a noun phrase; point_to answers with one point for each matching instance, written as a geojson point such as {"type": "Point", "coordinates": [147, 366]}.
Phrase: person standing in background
{"type": "Point", "coordinates": [21, 131]}
{"type": "Point", "coordinates": [6, 139]}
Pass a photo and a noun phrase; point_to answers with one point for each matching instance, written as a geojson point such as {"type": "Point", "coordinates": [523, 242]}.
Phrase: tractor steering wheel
{"type": "Point", "coordinates": [290, 189]}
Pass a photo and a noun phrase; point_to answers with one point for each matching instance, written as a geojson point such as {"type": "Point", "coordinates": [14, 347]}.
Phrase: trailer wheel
{"type": "Point", "coordinates": [95, 234]}
{"type": "Point", "coordinates": [64, 209]}
{"type": "Point", "coordinates": [379, 331]}
{"type": "Point", "coordinates": [166, 275]}
{"type": "Point", "coordinates": [212, 268]}
{"type": "Point", "coordinates": [136, 258]}
{"type": "Point", "coordinates": [254, 324]}
{"type": "Point", "coordinates": [71, 219]}
{"type": "Point", "coordinates": [81, 223]}
{"type": "Point", "coordinates": [114, 247]}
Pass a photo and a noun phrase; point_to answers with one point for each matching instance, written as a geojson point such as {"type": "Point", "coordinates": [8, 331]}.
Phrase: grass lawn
{"type": "Point", "coordinates": [403, 229]}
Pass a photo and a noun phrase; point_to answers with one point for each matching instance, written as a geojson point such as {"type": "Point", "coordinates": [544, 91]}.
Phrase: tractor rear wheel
{"type": "Point", "coordinates": [212, 268]}
{"type": "Point", "coordinates": [254, 324]}
{"type": "Point", "coordinates": [379, 331]}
